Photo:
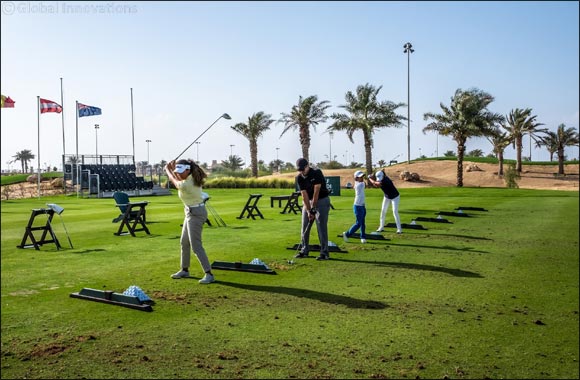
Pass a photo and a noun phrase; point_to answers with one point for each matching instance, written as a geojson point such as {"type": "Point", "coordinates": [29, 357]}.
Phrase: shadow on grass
{"type": "Point", "coordinates": [433, 233]}
{"type": "Point", "coordinates": [447, 247]}
{"type": "Point", "coordinates": [350, 302]}
{"type": "Point", "coordinates": [415, 211]}
{"type": "Point", "coordinates": [464, 236]}
{"type": "Point", "coordinates": [431, 268]}
{"type": "Point", "coordinates": [89, 251]}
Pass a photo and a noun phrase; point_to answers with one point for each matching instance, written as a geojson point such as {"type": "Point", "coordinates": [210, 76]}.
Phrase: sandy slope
{"type": "Point", "coordinates": [444, 174]}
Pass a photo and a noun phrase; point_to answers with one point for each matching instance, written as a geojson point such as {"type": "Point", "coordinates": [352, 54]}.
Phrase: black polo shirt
{"type": "Point", "coordinates": [314, 177]}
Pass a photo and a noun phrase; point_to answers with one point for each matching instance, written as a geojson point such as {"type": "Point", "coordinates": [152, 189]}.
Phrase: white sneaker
{"type": "Point", "coordinates": [207, 279]}
{"type": "Point", "coordinates": [344, 237]}
{"type": "Point", "coordinates": [399, 232]}
{"type": "Point", "coordinates": [363, 241]}
{"type": "Point", "coordinates": [180, 274]}
{"type": "Point", "coordinates": [380, 229]}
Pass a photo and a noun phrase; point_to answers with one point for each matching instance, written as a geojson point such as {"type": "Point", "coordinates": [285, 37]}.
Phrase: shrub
{"type": "Point", "coordinates": [511, 176]}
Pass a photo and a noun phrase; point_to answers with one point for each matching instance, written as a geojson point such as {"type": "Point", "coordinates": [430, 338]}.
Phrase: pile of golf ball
{"type": "Point", "coordinates": [259, 262]}
{"type": "Point", "coordinates": [135, 291]}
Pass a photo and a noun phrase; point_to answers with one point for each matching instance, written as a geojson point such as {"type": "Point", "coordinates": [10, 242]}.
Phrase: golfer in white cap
{"type": "Point", "coordinates": [359, 208]}
{"type": "Point", "coordinates": [188, 177]}
{"type": "Point", "coordinates": [391, 197]}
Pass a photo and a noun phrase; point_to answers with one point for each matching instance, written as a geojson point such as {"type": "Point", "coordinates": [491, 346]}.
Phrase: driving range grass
{"type": "Point", "coordinates": [494, 295]}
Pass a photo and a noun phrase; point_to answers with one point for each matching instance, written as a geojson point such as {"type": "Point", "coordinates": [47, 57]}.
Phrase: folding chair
{"type": "Point", "coordinates": [292, 204]}
{"type": "Point", "coordinates": [131, 214]}
{"type": "Point", "coordinates": [251, 207]}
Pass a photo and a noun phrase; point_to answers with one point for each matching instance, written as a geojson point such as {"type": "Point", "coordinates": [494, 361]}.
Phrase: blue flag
{"type": "Point", "coordinates": [85, 110]}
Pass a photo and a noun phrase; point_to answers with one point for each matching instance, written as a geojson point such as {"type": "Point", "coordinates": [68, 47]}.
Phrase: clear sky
{"type": "Point", "coordinates": [189, 62]}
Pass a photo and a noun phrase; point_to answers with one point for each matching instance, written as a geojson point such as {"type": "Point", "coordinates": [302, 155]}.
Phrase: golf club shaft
{"type": "Point", "coordinates": [306, 232]}
{"type": "Point", "coordinates": [65, 230]}
{"type": "Point", "coordinates": [194, 141]}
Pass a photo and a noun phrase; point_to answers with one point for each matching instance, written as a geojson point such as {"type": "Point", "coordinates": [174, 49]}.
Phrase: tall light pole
{"type": "Point", "coordinates": [408, 49]}
{"type": "Point", "coordinates": [197, 150]}
{"type": "Point", "coordinates": [277, 161]}
{"type": "Point", "coordinates": [96, 143]}
{"type": "Point", "coordinates": [149, 163]}
{"type": "Point", "coordinates": [232, 149]}
{"type": "Point", "coordinates": [330, 147]}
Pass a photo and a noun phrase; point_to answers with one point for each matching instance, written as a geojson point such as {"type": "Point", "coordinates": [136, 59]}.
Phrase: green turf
{"type": "Point", "coordinates": [494, 295]}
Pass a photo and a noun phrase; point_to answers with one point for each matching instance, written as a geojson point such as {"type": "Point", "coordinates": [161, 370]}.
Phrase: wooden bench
{"type": "Point", "coordinates": [279, 198]}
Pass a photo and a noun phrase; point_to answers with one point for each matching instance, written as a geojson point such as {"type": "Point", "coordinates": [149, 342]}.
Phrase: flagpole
{"type": "Point", "coordinates": [38, 139]}
{"type": "Point", "coordinates": [63, 143]}
{"type": "Point", "coordinates": [132, 125]}
{"type": "Point", "coordinates": [77, 153]}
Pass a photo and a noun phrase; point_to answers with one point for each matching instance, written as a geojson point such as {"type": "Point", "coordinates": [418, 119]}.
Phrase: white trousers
{"type": "Point", "coordinates": [385, 208]}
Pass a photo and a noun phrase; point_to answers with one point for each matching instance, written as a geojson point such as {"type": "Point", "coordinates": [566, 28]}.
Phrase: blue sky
{"type": "Point", "coordinates": [189, 62]}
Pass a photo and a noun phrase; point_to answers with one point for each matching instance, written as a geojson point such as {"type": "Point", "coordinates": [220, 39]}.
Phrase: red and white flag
{"type": "Point", "coordinates": [49, 106]}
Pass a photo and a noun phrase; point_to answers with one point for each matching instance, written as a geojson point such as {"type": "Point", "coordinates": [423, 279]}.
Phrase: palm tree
{"type": "Point", "coordinates": [550, 142]}
{"type": "Point", "coordinates": [257, 124]}
{"type": "Point", "coordinates": [73, 160]}
{"type": "Point", "coordinates": [24, 156]}
{"type": "Point", "coordinates": [308, 112]}
{"type": "Point", "coordinates": [518, 123]}
{"type": "Point", "coordinates": [466, 117]}
{"type": "Point", "coordinates": [366, 114]}
{"type": "Point", "coordinates": [562, 138]}
{"type": "Point", "coordinates": [500, 140]}
{"type": "Point", "coordinates": [233, 163]}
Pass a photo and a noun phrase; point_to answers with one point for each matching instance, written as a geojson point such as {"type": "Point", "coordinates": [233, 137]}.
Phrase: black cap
{"type": "Point", "coordinates": [301, 164]}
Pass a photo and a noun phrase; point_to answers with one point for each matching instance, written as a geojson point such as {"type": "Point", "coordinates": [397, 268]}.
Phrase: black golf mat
{"type": "Point", "coordinates": [371, 236]}
{"type": "Point", "coordinates": [316, 248]}
{"type": "Point", "coordinates": [106, 296]}
{"type": "Point", "coordinates": [407, 225]}
{"type": "Point", "coordinates": [470, 208]}
{"type": "Point", "coordinates": [435, 220]}
{"type": "Point", "coordinates": [239, 266]}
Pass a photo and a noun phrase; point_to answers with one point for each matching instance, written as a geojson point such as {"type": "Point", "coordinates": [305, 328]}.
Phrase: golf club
{"type": "Point", "coordinates": [307, 231]}
{"type": "Point", "coordinates": [58, 210]}
{"type": "Point", "coordinates": [225, 116]}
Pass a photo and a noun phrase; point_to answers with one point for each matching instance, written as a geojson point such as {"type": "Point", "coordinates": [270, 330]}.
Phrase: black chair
{"type": "Point", "coordinates": [251, 207]}
{"type": "Point", "coordinates": [132, 214]}
{"type": "Point", "coordinates": [292, 204]}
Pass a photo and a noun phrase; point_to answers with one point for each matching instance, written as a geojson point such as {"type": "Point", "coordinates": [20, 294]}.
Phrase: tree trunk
{"type": "Point", "coordinates": [368, 155]}
{"type": "Point", "coordinates": [561, 161]}
{"type": "Point", "coordinates": [500, 161]}
{"type": "Point", "coordinates": [519, 154]}
{"type": "Point", "coordinates": [254, 157]}
{"type": "Point", "coordinates": [305, 141]}
{"type": "Point", "coordinates": [460, 154]}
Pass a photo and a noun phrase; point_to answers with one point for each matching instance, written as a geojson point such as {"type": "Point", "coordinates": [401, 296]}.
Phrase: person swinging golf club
{"type": "Point", "coordinates": [188, 178]}
{"type": "Point", "coordinates": [315, 208]}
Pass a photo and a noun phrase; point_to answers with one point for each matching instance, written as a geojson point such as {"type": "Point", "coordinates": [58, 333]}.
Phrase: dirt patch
{"type": "Point", "coordinates": [444, 174]}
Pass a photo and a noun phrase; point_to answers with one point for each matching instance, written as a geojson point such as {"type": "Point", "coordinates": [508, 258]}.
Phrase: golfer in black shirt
{"type": "Point", "coordinates": [316, 206]}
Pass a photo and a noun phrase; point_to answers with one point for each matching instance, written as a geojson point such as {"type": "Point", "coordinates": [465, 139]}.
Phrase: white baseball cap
{"type": "Point", "coordinates": [379, 175]}
{"type": "Point", "coordinates": [358, 174]}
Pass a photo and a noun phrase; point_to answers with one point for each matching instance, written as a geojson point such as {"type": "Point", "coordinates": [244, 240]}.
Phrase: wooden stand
{"type": "Point", "coordinates": [46, 229]}
{"type": "Point", "coordinates": [251, 207]}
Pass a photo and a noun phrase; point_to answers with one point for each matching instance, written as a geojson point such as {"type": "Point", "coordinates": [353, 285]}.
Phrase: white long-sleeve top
{"type": "Point", "coordinates": [359, 193]}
